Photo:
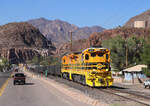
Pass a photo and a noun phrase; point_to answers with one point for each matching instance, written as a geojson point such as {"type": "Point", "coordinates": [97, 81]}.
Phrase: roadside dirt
{"type": "Point", "coordinates": [69, 91]}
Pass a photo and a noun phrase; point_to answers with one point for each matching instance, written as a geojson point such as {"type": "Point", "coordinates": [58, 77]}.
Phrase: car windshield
{"type": "Point", "coordinates": [19, 75]}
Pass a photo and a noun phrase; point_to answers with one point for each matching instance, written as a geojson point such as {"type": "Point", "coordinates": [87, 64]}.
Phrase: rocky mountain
{"type": "Point", "coordinates": [22, 35]}
{"type": "Point", "coordinates": [95, 39]}
{"type": "Point", "coordinates": [58, 31]}
{"type": "Point", "coordinates": [21, 41]}
{"type": "Point", "coordinates": [145, 16]}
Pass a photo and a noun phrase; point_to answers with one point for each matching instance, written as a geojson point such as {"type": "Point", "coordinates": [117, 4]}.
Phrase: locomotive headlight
{"type": "Point", "coordinates": [94, 70]}
{"type": "Point", "coordinates": [107, 69]}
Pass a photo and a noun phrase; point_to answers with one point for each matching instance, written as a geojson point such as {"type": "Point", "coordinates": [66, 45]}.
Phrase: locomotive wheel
{"type": "Point", "coordinates": [65, 76]}
{"type": "Point", "coordinates": [83, 80]}
{"type": "Point", "coordinates": [107, 84]}
{"type": "Point", "coordinates": [73, 79]}
{"type": "Point", "coordinates": [79, 78]}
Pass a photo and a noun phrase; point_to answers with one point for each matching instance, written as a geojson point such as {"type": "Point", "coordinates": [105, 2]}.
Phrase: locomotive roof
{"type": "Point", "coordinates": [94, 48]}
{"type": "Point", "coordinates": [75, 52]}
{"type": "Point", "coordinates": [79, 52]}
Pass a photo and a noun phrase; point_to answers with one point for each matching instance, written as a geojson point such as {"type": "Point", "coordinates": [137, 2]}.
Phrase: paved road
{"type": "Point", "coordinates": [35, 93]}
{"type": "Point", "coordinates": [4, 77]}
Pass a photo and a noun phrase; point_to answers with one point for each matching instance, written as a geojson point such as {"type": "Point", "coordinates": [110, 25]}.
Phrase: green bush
{"type": "Point", "coordinates": [4, 64]}
{"type": "Point", "coordinates": [146, 72]}
{"type": "Point", "coordinates": [45, 61]}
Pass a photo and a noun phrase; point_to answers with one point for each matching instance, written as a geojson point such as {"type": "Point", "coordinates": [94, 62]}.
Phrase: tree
{"type": "Point", "coordinates": [121, 48]}
{"type": "Point", "coordinates": [50, 60]}
{"type": "Point", "coordinates": [135, 48]}
{"type": "Point", "coordinates": [117, 47]}
{"type": "Point", "coordinates": [146, 56]}
{"type": "Point", "coordinates": [45, 61]}
{"type": "Point", "coordinates": [4, 64]}
{"type": "Point", "coordinates": [146, 71]}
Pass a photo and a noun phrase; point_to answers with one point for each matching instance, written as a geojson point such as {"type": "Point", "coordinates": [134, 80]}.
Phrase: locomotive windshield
{"type": "Point", "coordinates": [100, 54]}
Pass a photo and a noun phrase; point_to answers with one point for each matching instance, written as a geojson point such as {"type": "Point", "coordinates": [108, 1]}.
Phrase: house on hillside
{"type": "Point", "coordinates": [140, 24]}
{"type": "Point", "coordinates": [134, 73]}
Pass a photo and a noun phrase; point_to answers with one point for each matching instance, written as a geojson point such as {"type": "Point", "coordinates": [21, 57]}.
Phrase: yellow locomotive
{"type": "Point", "coordinates": [90, 67]}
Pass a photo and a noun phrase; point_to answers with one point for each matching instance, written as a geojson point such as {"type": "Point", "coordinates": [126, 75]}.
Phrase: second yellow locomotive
{"type": "Point", "coordinates": [90, 67]}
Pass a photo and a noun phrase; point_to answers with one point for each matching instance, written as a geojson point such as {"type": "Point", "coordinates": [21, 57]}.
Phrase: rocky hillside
{"type": "Point", "coordinates": [22, 35]}
{"type": "Point", "coordinates": [22, 41]}
{"type": "Point", "coordinates": [78, 45]}
{"type": "Point", "coordinates": [58, 31]}
{"type": "Point", "coordinates": [18, 55]}
{"type": "Point", "coordinates": [145, 16]}
{"type": "Point", "coordinates": [95, 39]}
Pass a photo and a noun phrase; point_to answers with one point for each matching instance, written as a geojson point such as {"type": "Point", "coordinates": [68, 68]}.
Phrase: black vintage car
{"type": "Point", "coordinates": [19, 78]}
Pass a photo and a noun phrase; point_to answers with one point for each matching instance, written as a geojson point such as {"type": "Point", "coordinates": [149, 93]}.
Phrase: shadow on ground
{"type": "Point", "coordinates": [112, 87]}
{"type": "Point", "coordinates": [29, 84]}
{"type": "Point", "coordinates": [117, 87]}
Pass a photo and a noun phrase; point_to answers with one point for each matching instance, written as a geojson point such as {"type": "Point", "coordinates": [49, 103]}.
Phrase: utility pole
{"type": "Point", "coordinates": [126, 50]}
{"type": "Point", "coordinates": [126, 55]}
{"type": "Point", "coordinates": [71, 41]}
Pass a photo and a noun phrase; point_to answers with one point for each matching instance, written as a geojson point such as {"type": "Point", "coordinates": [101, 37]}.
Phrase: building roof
{"type": "Point", "coordinates": [137, 68]}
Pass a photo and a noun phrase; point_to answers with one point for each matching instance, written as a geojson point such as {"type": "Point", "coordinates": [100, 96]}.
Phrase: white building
{"type": "Point", "coordinates": [134, 72]}
{"type": "Point", "coordinates": [140, 24]}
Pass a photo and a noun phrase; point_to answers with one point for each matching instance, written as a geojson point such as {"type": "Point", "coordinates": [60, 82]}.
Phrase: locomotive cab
{"type": "Point", "coordinates": [98, 59]}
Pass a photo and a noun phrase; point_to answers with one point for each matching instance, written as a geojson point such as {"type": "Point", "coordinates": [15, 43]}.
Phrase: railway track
{"type": "Point", "coordinates": [109, 95]}
{"type": "Point", "coordinates": [122, 94]}
{"type": "Point", "coordinates": [135, 93]}
{"type": "Point", "coordinates": [144, 100]}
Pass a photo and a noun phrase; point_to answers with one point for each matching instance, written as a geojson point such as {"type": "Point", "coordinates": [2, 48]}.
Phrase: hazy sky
{"type": "Point", "coordinates": [106, 13]}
